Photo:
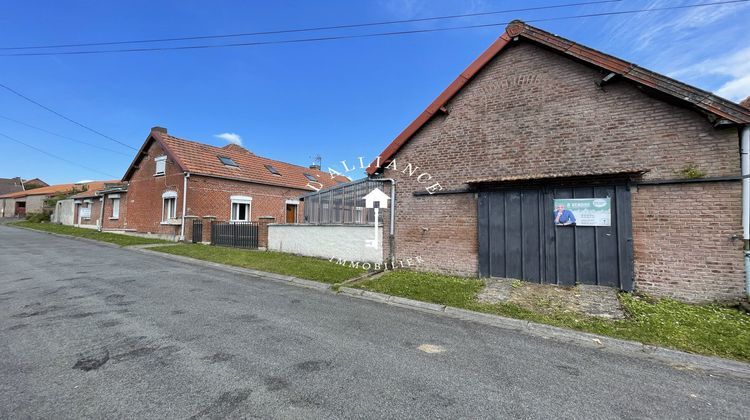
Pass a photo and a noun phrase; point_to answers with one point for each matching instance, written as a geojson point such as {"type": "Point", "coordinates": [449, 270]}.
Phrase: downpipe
{"type": "Point", "coordinates": [745, 164]}
{"type": "Point", "coordinates": [184, 204]}
{"type": "Point", "coordinates": [100, 222]}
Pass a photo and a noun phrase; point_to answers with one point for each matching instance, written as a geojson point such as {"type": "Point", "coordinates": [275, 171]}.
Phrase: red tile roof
{"type": "Point", "coordinates": [50, 190]}
{"type": "Point", "coordinates": [517, 30]}
{"type": "Point", "coordinates": [92, 188]}
{"type": "Point", "coordinates": [203, 159]}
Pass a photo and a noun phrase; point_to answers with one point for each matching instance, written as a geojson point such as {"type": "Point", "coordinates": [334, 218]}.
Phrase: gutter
{"type": "Point", "coordinates": [184, 205]}
{"type": "Point", "coordinates": [745, 165]}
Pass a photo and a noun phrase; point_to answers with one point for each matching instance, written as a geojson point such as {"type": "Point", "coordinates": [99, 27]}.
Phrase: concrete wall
{"type": "Point", "coordinates": [63, 212]}
{"type": "Point", "coordinates": [8, 208]}
{"type": "Point", "coordinates": [35, 203]}
{"type": "Point", "coordinates": [326, 241]}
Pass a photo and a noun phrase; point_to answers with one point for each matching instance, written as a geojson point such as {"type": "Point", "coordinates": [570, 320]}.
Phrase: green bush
{"type": "Point", "coordinates": [38, 217]}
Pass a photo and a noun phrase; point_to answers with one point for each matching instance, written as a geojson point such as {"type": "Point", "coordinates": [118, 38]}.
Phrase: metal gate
{"type": "Point", "coordinates": [235, 234]}
{"type": "Point", "coordinates": [197, 231]}
{"type": "Point", "coordinates": [518, 238]}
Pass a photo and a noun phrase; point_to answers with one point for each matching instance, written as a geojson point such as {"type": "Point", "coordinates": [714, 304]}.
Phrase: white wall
{"type": "Point", "coordinates": [326, 241]}
{"type": "Point", "coordinates": [63, 213]}
{"type": "Point", "coordinates": [8, 207]}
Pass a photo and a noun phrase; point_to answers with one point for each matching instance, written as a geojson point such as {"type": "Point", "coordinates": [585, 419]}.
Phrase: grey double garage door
{"type": "Point", "coordinates": [557, 234]}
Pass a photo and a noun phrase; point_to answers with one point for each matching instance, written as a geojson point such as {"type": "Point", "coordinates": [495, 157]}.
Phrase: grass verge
{"type": "Point", "coordinates": [704, 329]}
{"type": "Point", "coordinates": [114, 238]}
{"type": "Point", "coordinates": [273, 262]}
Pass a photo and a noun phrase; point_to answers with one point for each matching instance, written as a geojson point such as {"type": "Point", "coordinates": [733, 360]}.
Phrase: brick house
{"type": "Point", "coordinates": [172, 179]}
{"type": "Point", "coordinates": [537, 119]}
{"type": "Point", "coordinates": [100, 206]}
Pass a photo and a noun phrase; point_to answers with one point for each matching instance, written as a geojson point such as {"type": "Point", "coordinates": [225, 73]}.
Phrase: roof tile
{"type": "Point", "coordinates": [203, 159]}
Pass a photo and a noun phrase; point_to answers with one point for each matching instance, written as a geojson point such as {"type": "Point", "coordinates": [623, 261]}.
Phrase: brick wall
{"type": "Point", "coordinates": [144, 198]}
{"type": "Point", "coordinates": [533, 113]}
{"type": "Point", "coordinates": [687, 240]}
{"type": "Point", "coordinates": [212, 197]}
{"type": "Point", "coordinates": [94, 219]}
{"type": "Point", "coordinates": [119, 223]}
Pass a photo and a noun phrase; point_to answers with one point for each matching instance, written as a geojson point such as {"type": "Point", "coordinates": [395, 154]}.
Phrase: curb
{"type": "Point", "coordinates": [674, 358]}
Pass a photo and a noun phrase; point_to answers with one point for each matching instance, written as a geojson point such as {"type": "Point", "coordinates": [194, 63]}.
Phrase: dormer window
{"type": "Point", "coordinates": [311, 177]}
{"type": "Point", "coordinates": [161, 165]}
{"type": "Point", "coordinates": [227, 161]}
{"type": "Point", "coordinates": [272, 170]}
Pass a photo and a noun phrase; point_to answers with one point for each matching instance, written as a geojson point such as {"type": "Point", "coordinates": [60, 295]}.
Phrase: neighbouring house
{"type": "Point", "coordinates": [11, 185]}
{"type": "Point", "coordinates": [97, 208]}
{"type": "Point", "coordinates": [172, 181]}
{"type": "Point", "coordinates": [30, 184]}
{"type": "Point", "coordinates": [539, 126]}
{"type": "Point", "coordinates": [36, 200]}
{"type": "Point", "coordinates": [16, 185]}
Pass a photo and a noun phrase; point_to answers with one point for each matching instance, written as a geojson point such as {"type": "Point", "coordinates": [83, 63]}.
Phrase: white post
{"type": "Point", "coordinates": [376, 227]}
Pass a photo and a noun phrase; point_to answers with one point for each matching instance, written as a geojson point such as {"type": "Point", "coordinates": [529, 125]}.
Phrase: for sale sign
{"type": "Point", "coordinates": [582, 211]}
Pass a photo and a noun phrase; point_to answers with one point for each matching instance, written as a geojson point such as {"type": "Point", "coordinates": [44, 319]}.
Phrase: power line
{"type": "Point", "coordinates": [313, 29]}
{"type": "Point", "coordinates": [64, 117]}
{"type": "Point", "coordinates": [63, 136]}
{"type": "Point", "coordinates": [56, 157]}
{"type": "Point", "coordinates": [372, 35]}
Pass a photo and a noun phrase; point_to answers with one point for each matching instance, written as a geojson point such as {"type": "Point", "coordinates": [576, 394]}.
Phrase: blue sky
{"type": "Point", "coordinates": [339, 99]}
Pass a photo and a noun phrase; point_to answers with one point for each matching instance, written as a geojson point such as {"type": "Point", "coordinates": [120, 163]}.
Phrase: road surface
{"type": "Point", "coordinates": [95, 331]}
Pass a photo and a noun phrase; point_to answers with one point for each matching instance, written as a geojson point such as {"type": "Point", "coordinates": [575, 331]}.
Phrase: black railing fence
{"type": "Point", "coordinates": [235, 234]}
{"type": "Point", "coordinates": [197, 231]}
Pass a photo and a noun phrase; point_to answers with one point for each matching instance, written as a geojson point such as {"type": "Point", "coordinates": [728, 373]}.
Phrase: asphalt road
{"type": "Point", "coordinates": [94, 331]}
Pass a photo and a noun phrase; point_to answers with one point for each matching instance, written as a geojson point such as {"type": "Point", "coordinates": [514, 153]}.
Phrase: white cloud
{"type": "Point", "coordinates": [734, 68]}
{"type": "Point", "coordinates": [701, 46]}
{"type": "Point", "coordinates": [736, 90]}
{"type": "Point", "coordinates": [233, 138]}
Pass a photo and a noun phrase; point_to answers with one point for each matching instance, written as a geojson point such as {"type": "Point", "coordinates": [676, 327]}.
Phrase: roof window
{"type": "Point", "coordinates": [311, 177]}
{"type": "Point", "coordinates": [227, 161]}
{"type": "Point", "coordinates": [272, 170]}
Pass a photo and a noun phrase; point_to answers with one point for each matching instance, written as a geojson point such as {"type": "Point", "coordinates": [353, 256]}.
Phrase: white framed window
{"type": "Point", "coordinates": [115, 207]}
{"type": "Point", "coordinates": [240, 208]}
{"type": "Point", "coordinates": [169, 206]}
{"type": "Point", "coordinates": [161, 165]}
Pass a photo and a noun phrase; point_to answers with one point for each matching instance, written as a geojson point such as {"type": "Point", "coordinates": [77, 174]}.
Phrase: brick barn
{"type": "Point", "coordinates": [538, 122]}
{"type": "Point", "coordinates": [172, 180]}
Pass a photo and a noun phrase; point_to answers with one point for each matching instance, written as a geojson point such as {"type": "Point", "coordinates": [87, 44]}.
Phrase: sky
{"type": "Point", "coordinates": [338, 99]}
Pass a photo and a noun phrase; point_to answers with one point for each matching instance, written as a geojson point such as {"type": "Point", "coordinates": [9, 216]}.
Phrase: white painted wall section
{"type": "Point", "coordinates": [327, 241]}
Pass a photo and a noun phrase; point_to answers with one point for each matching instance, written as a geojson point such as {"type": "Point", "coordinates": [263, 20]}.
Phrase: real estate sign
{"type": "Point", "coordinates": [583, 211]}
{"type": "Point", "coordinates": [85, 212]}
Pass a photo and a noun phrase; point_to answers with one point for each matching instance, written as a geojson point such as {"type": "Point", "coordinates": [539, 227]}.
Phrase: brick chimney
{"type": "Point", "coordinates": [746, 102]}
{"type": "Point", "coordinates": [159, 129]}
